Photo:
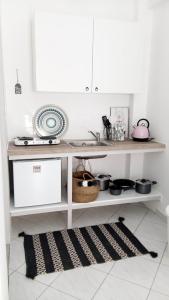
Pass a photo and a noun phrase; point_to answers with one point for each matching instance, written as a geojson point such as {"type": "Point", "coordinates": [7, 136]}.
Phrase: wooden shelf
{"type": "Point", "coordinates": [65, 150]}
{"type": "Point", "coordinates": [106, 199]}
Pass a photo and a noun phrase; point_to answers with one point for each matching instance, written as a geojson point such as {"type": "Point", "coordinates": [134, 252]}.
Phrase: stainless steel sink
{"type": "Point", "coordinates": [87, 143]}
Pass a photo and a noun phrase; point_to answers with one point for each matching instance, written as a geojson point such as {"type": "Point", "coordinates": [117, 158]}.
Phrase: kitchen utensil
{"type": "Point", "coordinates": [103, 181]}
{"type": "Point", "coordinates": [18, 88]}
{"type": "Point", "coordinates": [143, 186]}
{"type": "Point", "coordinates": [108, 127]}
{"type": "Point", "coordinates": [125, 184]}
{"type": "Point", "coordinates": [49, 120]}
{"type": "Point", "coordinates": [141, 131]}
{"type": "Point", "coordinates": [115, 190]}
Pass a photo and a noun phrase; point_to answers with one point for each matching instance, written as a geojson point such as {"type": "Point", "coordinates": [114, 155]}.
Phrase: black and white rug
{"type": "Point", "coordinates": [67, 249]}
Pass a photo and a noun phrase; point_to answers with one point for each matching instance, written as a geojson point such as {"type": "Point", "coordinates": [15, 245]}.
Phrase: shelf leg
{"type": "Point", "coordinates": [69, 193]}
{"type": "Point", "coordinates": [69, 219]}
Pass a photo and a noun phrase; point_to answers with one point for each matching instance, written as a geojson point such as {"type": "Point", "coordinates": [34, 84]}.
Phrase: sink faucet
{"type": "Point", "coordinates": [96, 135]}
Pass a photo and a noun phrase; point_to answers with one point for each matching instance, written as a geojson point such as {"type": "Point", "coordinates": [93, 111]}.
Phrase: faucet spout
{"type": "Point", "coordinates": [96, 135]}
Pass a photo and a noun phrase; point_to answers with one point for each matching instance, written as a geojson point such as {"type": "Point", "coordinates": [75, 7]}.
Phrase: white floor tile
{"type": "Point", "coordinates": [18, 225]}
{"type": "Point", "coordinates": [117, 289]}
{"type": "Point", "coordinates": [136, 270]}
{"type": "Point", "coordinates": [23, 288]}
{"type": "Point", "coordinates": [95, 216]}
{"type": "Point", "coordinates": [152, 231]}
{"type": "Point", "coordinates": [39, 218]}
{"type": "Point", "coordinates": [132, 213]}
{"type": "Point", "coordinates": [17, 255]}
{"type": "Point", "coordinates": [81, 283]}
{"type": "Point", "coordinates": [46, 222]}
{"type": "Point", "coordinates": [45, 278]}
{"type": "Point", "coordinates": [154, 218]}
{"type": "Point", "coordinates": [105, 267]}
{"type": "Point", "coordinates": [165, 260]}
{"type": "Point", "coordinates": [156, 296]}
{"type": "Point", "coordinates": [155, 246]}
{"type": "Point", "coordinates": [52, 294]}
{"type": "Point", "coordinates": [77, 213]}
{"type": "Point", "coordinates": [161, 283]}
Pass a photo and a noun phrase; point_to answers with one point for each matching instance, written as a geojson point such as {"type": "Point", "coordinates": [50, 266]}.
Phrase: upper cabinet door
{"type": "Point", "coordinates": [118, 57]}
{"type": "Point", "coordinates": [63, 53]}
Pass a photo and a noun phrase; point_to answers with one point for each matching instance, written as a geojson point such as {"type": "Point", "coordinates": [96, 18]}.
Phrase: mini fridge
{"type": "Point", "coordinates": [37, 182]}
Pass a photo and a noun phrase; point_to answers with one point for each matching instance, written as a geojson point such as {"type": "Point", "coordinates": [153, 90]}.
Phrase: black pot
{"type": "Point", "coordinates": [115, 190]}
{"type": "Point", "coordinates": [143, 186]}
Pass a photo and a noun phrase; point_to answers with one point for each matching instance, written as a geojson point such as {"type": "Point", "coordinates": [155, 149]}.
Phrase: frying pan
{"type": "Point", "coordinates": [125, 184]}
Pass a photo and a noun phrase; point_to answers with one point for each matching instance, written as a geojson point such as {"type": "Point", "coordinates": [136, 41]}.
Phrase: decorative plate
{"type": "Point", "coordinates": [50, 120]}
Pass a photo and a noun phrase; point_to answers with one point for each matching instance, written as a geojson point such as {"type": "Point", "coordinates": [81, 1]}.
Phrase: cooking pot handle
{"type": "Point", "coordinates": [154, 182]}
{"type": "Point", "coordinates": [148, 123]}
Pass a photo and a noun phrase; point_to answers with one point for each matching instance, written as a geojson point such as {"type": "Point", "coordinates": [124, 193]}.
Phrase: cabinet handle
{"type": "Point", "coordinates": [96, 89]}
{"type": "Point", "coordinates": [87, 88]}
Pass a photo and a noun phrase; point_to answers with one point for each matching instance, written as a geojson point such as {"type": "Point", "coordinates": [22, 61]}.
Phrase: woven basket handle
{"type": "Point", "coordinates": [87, 175]}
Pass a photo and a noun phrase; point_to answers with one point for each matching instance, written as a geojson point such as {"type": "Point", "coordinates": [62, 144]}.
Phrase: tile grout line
{"type": "Point", "coordinates": [57, 291]}
{"type": "Point", "coordinates": [122, 279]}
{"type": "Point", "coordinates": [107, 274]}
{"type": "Point", "coordinates": [42, 292]}
{"type": "Point", "coordinates": [116, 212]}
{"type": "Point", "coordinates": [82, 213]}
{"type": "Point", "coordinates": [156, 273]}
{"type": "Point", "coordinates": [141, 221]}
{"type": "Point", "coordinates": [64, 293]}
{"type": "Point", "coordinates": [99, 287]}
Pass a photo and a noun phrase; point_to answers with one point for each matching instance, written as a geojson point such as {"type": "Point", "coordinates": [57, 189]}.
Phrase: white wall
{"type": "Point", "coordinates": [84, 111]}
{"type": "Point", "coordinates": [158, 98]}
{"type": "Point", "coordinates": [4, 142]}
{"type": "Point", "coordinates": [3, 253]}
{"type": "Point", "coordinates": [4, 196]}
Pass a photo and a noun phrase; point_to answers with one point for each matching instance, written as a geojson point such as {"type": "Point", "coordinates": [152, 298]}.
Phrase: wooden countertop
{"type": "Point", "coordinates": [64, 149]}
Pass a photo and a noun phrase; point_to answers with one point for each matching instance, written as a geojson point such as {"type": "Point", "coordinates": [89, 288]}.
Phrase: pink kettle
{"type": "Point", "coordinates": [141, 131]}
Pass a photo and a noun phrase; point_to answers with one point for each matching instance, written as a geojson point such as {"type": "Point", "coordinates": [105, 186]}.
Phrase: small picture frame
{"type": "Point", "coordinates": [120, 114]}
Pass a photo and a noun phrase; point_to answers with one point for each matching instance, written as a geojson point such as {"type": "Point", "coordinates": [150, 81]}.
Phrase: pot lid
{"type": "Point", "coordinates": [103, 177]}
{"type": "Point", "coordinates": [143, 181]}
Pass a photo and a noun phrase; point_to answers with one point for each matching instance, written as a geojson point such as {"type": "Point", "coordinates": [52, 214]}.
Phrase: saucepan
{"type": "Point", "coordinates": [143, 186]}
{"type": "Point", "coordinates": [103, 180]}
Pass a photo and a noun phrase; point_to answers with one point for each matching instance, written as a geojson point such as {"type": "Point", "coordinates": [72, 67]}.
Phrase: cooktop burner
{"type": "Point", "coordinates": [48, 137]}
{"type": "Point", "coordinates": [33, 141]}
{"type": "Point", "coordinates": [23, 138]}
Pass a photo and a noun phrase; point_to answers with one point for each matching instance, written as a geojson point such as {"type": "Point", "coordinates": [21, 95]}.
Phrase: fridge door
{"type": "Point", "coordinates": [37, 182]}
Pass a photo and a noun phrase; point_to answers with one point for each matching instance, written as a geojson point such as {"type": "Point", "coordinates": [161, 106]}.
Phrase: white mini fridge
{"type": "Point", "coordinates": [37, 182]}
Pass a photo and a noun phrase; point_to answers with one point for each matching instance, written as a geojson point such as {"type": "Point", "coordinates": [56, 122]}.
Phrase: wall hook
{"type": "Point", "coordinates": [18, 87]}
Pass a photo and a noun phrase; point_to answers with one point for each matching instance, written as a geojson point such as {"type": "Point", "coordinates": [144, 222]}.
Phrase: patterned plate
{"type": "Point", "coordinates": [49, 120]}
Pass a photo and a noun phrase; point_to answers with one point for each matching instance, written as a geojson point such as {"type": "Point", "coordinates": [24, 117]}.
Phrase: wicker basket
{"type": "Point", "coordinates": [84, 194]}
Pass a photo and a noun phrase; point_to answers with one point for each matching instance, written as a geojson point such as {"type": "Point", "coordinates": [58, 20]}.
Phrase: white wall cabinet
{"type": "Point", "coordinates": [82, 54]}
{"type": "Point", "coordinates": [117, 57]}
{"type": "Point", "coordinates": [63, 53]}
